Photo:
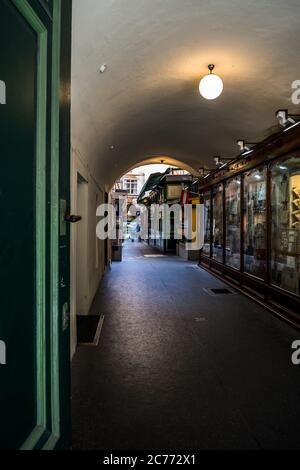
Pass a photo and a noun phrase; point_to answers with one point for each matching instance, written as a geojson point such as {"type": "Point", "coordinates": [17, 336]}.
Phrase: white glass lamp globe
{"type": "Point", "coordinates": [211, 86]}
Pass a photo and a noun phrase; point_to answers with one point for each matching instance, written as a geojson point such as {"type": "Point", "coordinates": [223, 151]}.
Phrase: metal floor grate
{"type": "Point", "coordinates": [89, 329]}
{"type": "Point", "coordinates": [219, 291]}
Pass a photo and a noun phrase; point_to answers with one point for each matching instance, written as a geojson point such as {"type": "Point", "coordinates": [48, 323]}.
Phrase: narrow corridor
{"type": "Point", "coordinates": [179, 368]}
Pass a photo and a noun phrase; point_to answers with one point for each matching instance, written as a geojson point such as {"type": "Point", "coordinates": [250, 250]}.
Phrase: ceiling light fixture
{"type": "Point", "coordinates": [211, 86]}
{"type": "Point", "coordinates": [205, 172]}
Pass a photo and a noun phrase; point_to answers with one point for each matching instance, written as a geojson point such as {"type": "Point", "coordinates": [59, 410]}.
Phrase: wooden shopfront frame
{"type": "Point", "coordinates": [281, 302]}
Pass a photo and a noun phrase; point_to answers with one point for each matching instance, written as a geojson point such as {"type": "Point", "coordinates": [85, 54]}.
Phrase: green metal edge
{"type": "Point", "coordinates": [34, 21]}
{"type": "Point", "coordinates": [51, 444]}
{"type": "Point", "coordinates": [55, 215]}
{"type": "Point", "coordinates": [33, 439]}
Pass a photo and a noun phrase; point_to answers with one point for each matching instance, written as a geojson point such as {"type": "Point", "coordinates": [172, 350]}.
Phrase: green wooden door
{"type": "Point", "coordinates": [33, 330]}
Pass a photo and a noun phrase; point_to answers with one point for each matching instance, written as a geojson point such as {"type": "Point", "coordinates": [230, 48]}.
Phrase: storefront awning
{"type": "Point", "coordinates": [150, 184]}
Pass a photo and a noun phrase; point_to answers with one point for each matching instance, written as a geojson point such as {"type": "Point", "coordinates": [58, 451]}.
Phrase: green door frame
{"type": "Point", "coordinates": [41, 432]}
{"type": "Point", "coordinates": [36, 24]}
{"type": "Point", "coordinates": [54, 231]}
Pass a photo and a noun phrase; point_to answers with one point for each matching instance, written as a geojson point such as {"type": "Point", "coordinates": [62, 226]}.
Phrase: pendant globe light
{"type": "Point", "coordinates": [211, 86]}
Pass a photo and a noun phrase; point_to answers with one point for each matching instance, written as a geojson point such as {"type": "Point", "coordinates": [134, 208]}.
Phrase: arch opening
{"type": "Point", "coordinates": [163, 160]}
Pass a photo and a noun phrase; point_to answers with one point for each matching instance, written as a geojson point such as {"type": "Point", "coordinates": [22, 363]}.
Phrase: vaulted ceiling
{"type": "Point", "coordinates": [147, 102]}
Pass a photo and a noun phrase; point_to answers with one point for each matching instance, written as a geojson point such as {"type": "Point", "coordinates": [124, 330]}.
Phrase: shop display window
{"type": "Point", "coordinates": [286, 224]}
{"type": "Point", "coordinates": [255, 222]}
{"type": "Point", "coordinates": [218, 236]}
{"type": "Point", "coordinates": [207, 223]}
{"type": "Point", "coordinates": [233, 223]}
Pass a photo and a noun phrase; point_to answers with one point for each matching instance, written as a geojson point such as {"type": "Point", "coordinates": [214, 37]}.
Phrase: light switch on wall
{"type": "Point", "coordinates": [2, 92]}
{"type": "Point", "coordinates": [2, 353]}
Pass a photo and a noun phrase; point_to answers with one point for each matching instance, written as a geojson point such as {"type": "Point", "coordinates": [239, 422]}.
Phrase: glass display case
{"type": "Point", "coordinates": [233, 222]}
{"type": "Point", "coordinates": [207, 218]}
{"type": "Point", "coordinates": [252, 223]}
{"type": "Point", "coordinates": [217, 232]}
{"type": "Point", "coordinates": [286, 224]}
{"type": "Point", "coordinates": [255, 222]}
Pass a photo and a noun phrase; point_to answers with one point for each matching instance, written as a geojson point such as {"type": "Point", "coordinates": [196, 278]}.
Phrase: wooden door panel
{"type": "Point", "coordinates": [34, 256]}
{"type": "Point", "coordinates": [18, 225]}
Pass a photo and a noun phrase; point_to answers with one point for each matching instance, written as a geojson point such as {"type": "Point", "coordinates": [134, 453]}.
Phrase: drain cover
{"type": "Point", "coordinates": [221, 291]}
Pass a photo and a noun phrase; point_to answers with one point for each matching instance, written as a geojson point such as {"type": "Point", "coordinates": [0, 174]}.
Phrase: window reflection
{"type": "Point", "coordinates": [207, 212]}
{"type": "Point", "coordinates": [233, 223]}
{"type": "Point", "coordinates": [218, 223]}
{"type": "Point", "coordinates": [255, 222]}
{"type": "Point", "coordinates": [286, 224]}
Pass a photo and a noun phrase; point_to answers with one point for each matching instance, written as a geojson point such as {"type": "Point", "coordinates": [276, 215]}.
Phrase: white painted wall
{"type": "Point", "coordinates": [81, 228]}
{"type": "Point", "coordinates": [90, 252]}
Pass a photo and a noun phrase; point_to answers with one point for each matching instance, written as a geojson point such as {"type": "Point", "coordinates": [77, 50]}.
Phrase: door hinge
{"type": "Point", "coordinates": [65, 316]}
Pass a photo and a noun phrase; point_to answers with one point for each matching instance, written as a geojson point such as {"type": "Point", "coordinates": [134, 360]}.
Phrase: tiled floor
{"type": "Point", "coordinates": [177, 368]}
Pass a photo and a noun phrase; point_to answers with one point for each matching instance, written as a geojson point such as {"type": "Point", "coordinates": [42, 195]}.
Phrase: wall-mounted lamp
{"type": "Point", "coordinates": [284, 118]}
{"type": "Point", "coordinates": [205, 172]}
{"type": "Point", "coordinates": [211, 86]}
{"type": "Point", "coordinates": [219, 161]}
{"type": "Point", "coordinates": [244, 145]}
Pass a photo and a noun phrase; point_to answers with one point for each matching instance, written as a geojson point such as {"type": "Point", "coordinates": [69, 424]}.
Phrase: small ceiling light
{"type": "Point", "coordinates": [220, 160]}
{"type": "Point", "coordinates": [211, 86]}
{"type": "Point", "coordinates": [102, 68]}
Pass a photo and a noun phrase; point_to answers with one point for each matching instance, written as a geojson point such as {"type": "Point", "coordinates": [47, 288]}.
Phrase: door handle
{"type": "Point", "coordinates": [72, 219]}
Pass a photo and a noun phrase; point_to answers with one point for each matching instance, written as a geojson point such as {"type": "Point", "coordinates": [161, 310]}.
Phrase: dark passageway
{"type": "Point", "coordinates": [179, 368]}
